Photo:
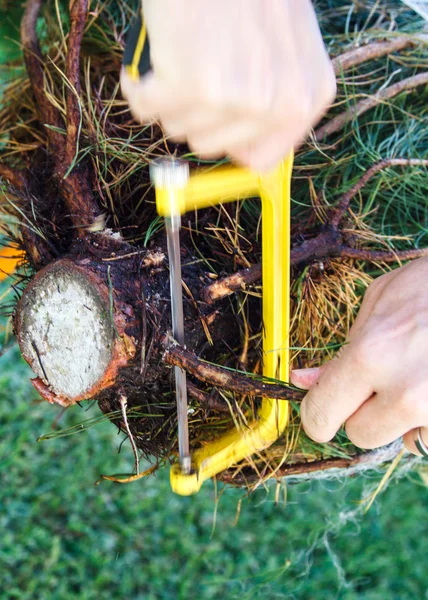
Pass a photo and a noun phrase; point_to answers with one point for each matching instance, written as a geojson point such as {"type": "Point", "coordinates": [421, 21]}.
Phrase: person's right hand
{"type": "Point", "coordinates": [378, 383]}
{"type": "Point", "coordinates": [243, 78]}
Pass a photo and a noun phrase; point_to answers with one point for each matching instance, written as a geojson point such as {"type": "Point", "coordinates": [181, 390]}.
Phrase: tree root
{"type": "Point", "coordinates": [382, 256]}
{"type": "Point", "coordinates": [75, 182]}
{"type": "Point", "coordinates": [232, 283]}
{"type": "Point", "coordinates": [226, 379]}
{"type": "Point", "coordinates": [323, 247]}
{"type": "Point", "coordinates": [339, 122]}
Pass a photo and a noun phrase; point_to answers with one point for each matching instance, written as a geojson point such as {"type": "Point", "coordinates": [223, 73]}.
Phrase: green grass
{"type": "Point", "coordinates": [64, 537]}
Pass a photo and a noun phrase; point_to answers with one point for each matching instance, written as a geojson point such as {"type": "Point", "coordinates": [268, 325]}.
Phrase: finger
{"type": "Point", "coordinates": [343, 387]}
{"type": "Point", "coordinates": [384, 418]}
{"type": "Point", "coordinates": [410, 438]}
{"type": "Point", "coordinates": [192, 119]}
{"type": "Point", "coordinates": [306, 378]}
{"type": "Point", "coordinates": [266, 151]}
{"type": "Point", "coordinates": [229, 131]}
{"type": "Point", "coordinates": [148, 98]}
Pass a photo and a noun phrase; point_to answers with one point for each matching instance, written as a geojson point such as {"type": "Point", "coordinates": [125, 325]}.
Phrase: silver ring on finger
{"type": "Point", "coordinates": [420, 444]}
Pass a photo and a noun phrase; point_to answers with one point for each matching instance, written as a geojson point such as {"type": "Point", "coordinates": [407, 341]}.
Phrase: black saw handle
{"type": "Point", "coordinates": [136, 58]}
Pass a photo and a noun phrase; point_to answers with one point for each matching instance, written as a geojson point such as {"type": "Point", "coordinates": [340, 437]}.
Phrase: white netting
{"type": "Point", "coordinates": [372, 461]}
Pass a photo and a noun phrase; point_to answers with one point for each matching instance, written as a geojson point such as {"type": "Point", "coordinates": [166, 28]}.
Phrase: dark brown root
{"type": "Point", "coordinates": [210, 401]}
{"type": "Point", "coordinates": [241, 479]}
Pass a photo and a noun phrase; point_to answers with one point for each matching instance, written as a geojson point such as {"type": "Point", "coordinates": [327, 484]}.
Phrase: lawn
{"type": "Point", "coordinates": [64, 537]}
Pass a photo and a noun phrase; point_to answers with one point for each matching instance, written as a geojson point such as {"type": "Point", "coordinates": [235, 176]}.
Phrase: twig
{"type": "Point", "coordinates": [176, 355]}
{"type": "Point", "coordinates": [230, 284]}
{"type": "Point", "coordinates": [48, 113]}
{"type": "Point", "coordinates": [123, 404]}
{"type": "Point", "coordinates": [338, 122]}
{"type": "Point", "coordinates": [357, 56]}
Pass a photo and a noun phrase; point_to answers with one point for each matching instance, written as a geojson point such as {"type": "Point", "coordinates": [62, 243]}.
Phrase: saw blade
{"type": "Point", "coordinates": [170, 177]}
{"type": "Point", "coordinates": [173, 237]}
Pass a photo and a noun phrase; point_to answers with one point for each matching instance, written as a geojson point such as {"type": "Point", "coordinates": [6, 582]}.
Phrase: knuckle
{"type": "Point", "coordinates": [412, 405]}
{"type": "Point", "coordinates": [315, 420]}
{"type": "Point", "coordinates": [357, 437]}
{"type": "Point", "coordinates": [405, 402]}
{"type": "Point", "coordinates": [371, 351]}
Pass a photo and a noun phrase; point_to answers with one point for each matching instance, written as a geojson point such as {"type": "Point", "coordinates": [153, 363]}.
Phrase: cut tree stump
{"type": "Point", "coordinates": [68, 334]}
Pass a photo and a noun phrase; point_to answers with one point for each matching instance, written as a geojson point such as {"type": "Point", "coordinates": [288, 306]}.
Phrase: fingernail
{"type": "Point", "coordinates": [309, 371]}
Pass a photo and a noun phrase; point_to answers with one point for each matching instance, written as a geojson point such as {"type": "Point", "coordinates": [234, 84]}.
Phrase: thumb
{"type": "Point", "coordinates": [306, 378]}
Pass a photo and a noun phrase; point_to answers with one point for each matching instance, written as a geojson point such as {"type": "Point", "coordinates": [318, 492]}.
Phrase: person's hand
{"type": "Point", "coordinates": [243, 78]}
{"type": "Point", "coordinates": [378, 383]}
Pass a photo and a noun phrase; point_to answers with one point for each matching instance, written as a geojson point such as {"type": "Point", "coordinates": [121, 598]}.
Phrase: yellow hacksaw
{"type": "Point", "coordinates": [178, 192]}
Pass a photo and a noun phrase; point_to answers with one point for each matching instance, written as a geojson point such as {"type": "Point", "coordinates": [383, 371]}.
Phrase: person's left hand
{"type": "Point", "coordinates": [378, 383]}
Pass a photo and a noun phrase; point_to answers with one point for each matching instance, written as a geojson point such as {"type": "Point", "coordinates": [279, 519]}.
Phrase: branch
{"type": "Point", "coordinates": [357, 56]}
{"type": "Point", "coordinates": [76, 183]}
{"type": "Point", "coordinates": [338, 122]}
{"type": "Point", "coordinates": [226, 379]}
{"type": "Point", "coordinates": [327, 244]}
{"type": "Point", "coordinates": [348, 196]}
{"type": "Point", "coordinates": [366, 460]}
{"type": "Point", "coordinates": [240, 479]}
{"type": "Point", "coordinates": [48, 113]}
{"type": "Point", "coordinates": [78, 16]}
{"type": "Point", "coordinates": [230, 284]}
{"type": "Point", "coordinates": [383, 256]}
